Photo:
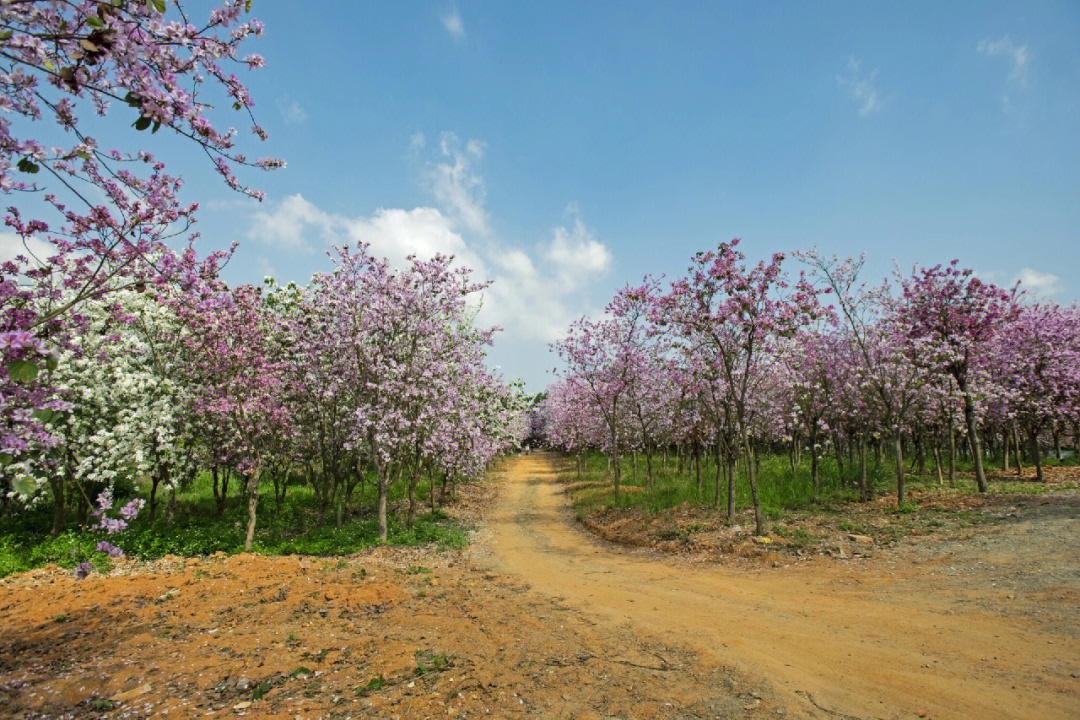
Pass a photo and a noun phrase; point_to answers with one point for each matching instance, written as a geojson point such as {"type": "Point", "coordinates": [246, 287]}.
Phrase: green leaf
{"type": "Point", "coordinates": [44, 414]}
{"type": "Point", "coordinates": [24, 486]}
{"type": "Point", "coordinates": [5, 34]}
{"type": "Point", "coordinates": [48, 66]}
{"type": "Point", "coordinates": [51, 363]}
{"type": "Point", "coordinates": [142, 123]}
{"type": "Point", "coordinates": [158, 5]}
{"type": "Point", "coordinates": [22, 370]}
{"type": "Point", "coordinates": [157, 126]}
{"type": "Point", "coordinates": [94, 21]}
{"type": "Point", "coordinates": [247, 6]}
{"type": "Point", "coordinates": [6, 459]}
{"type": "Point", "coordinates": [27, 165]}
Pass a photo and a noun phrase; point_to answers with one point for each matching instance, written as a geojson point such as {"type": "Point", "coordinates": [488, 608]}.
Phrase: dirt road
{"type": "Point", "coordinates": [903, 635]}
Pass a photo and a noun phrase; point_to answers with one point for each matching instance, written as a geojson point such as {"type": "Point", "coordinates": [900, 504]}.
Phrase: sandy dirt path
{"type": "Point", "coordinates": [891, 637]}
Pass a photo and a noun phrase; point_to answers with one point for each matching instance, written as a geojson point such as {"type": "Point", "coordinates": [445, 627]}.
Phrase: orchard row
{"type": "Point", "coordinates": [734, 359]}
{"type": "Point", "coordinates": [123, 358]}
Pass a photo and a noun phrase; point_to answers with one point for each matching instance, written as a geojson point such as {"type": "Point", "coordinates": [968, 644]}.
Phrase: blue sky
{"type": "Point", "coordinates": [567, 148]}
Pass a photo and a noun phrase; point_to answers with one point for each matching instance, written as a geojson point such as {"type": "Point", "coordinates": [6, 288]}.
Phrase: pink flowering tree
{"type": "Point", "coordinates": [93, 219]}
{"type": "Point", "coordinates": [948, 317]}
{"type": "Point", "coordinates": [605, 358]}
{"type": "Point", "coordinates": [1036, 359]}
{"type": "Point", "coordinates": [400, 339]}
{"type": "Point", "coordinates": [237, 385]}
{"type": "Point", "coordinates": [730, 315]}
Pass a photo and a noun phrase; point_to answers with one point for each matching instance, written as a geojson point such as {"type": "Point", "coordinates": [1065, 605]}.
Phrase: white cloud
{"type": "Point", "coordinates": [577, 256]}
{"type": "Point", "coordinates": [455, 185]}
{"type": "Point", "coordinates": [1019, 55]}
{"type": "Point", "coordinates": [454, 24]}
{"type": "Point", "coordinates": [417, 139]}
{"type": "Point", "coordinates": [291, 110]}
{"type": "Point", "coordinates": [35, 249]}
{"type": "Point", "coordinates": [286, 226]}
{"type": "Point", "coordinates": [533, 296]}
{"type": "Point", "coordinates": [1040, 284]}
{"type": "Point", "coordinates": [861, 88]}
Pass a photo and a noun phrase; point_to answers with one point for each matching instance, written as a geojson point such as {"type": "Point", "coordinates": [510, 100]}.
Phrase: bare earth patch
{"type": "Point", "coordinates": [852, 531]}
{"type": "Point", "coordinates": [537, 619]}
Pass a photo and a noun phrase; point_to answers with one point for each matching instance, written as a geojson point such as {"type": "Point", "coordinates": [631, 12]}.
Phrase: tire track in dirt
{"type": "Point", "coordinates": [873, 639]}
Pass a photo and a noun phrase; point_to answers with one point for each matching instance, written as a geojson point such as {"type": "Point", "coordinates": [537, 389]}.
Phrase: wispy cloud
{"type": "Point", "coordinates": [417, 139]}
{"type": "Point", "coordinates": [1018, 54]}
{"type": "Point", "coordinates": [291, 110]}
{"type": "Point", "coordinates": [862, 88]}
{"type": "Point", "coordinates": [1019, 58]}
{"type": "Point", "coordinates": [454, 24]}
{"type": "Point", "coordinates": [454, 183]}
{"type": "Point", "coordinates": [535, 293]}
{"type": "Point", "coordinates": [1042, 285]}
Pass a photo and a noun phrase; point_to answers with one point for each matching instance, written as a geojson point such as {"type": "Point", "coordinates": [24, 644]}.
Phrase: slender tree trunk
{"type": "Point", "coordinates": [1016, 447]}
{"type": "Point", "coordinates": [1005, 450]}
{"type": "Point", "coordinates": [730, 466]}
{"type": "Point", "coordinates": [920, 452]}
{"type": "Point", "coordinates": [697, 467]}
{"type": "Point", "coordinates": [1036, 455]}
{"type": "Point", "coordinates": [412, 498]}
{"type": "Point", "coordinates": [59, 519]}
{"type": "Point", "coordinates": [898, 448]}
{"type": "Point", "coordinates": [815, 478]}
{"type": "Point", "coordinates": [383, 481]}
{"type": "Point", "coordinates": [253, 503]}
{"type": "Point", "coordinates": [759, 524]}
{"type": "Point", "coordinates": [170, 510]}
{"type": "Point", "coordinates": [648, 465]}
{"type": "Point", "coordinates": [864, 486]}
{"type": "Point", "coordinates": [952, 453]}
{"type": "Point", "coordinates": [1057, 443]}
{"type": "Point", "coordinates": [973, 433]}
{"type": "Point", "coordinates": [716, 482]}
{"type": "Point", "coordinates": [937, 463]}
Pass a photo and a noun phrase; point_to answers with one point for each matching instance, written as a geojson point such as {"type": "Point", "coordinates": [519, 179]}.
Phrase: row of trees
{"type": "Point", "coordinates": [123, 357]}
{"type": "Point", "coordinates": [733, 359]}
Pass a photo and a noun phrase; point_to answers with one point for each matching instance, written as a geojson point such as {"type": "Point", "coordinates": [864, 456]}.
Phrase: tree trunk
{"type": "Point", "coordinates": [56, 484]}
{"type": "Point", "coordinates": [154, 482]}
{"type": "Point", "coordinates": [716, 482]}
{"type": "Point", "coordinates": [937, 463]}
{"type": "Point", "coordinates": [1005, 451]}
{"type": "Point", "coordinates": [1016, 447]}
{"type": "Point", "coordinates": [1036, 456]}
{"type": "Point", "coordinates": [759, 525]}
{"type": "Point", "coordinates": [864, 486]}
{"type": "Point", "coordinates": [920, 453]}
{"type": "Point", "coordinates": [952, 454]}
{"type": "Point", "coordinates": [412, 498]}
{"type": "Point", "coordinates": [898, 448]}
{"type": "Point", "coordinates": [383, 482]}
{"type": "Point", "coordinates": [730, 491]}
{"type": "Point", "coordinates": [697, 468]}
{"type": "Point", "coordinates": [973, 433]}
{"type": "Point", "coordinates": [253, 503]}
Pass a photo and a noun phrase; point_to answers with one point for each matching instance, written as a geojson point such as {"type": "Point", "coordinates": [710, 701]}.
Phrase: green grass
{"type": "Point", "coordinates": [25, 542]}
{"type": "Point", "coordinates": [780, 489]}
